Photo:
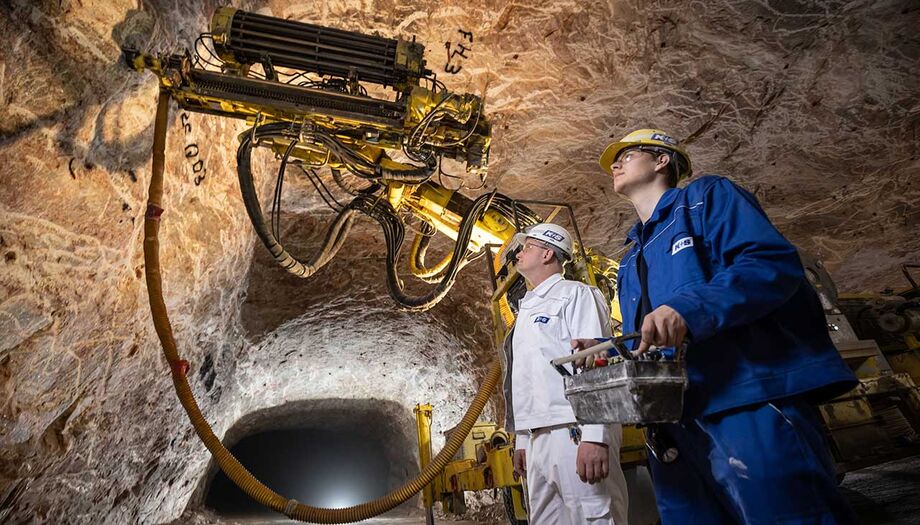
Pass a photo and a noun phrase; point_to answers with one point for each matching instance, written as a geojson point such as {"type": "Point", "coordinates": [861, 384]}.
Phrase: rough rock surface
{"type": "Point", "coordinates": [812, 105]}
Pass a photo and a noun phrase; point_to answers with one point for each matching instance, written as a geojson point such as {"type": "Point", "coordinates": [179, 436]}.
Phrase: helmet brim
{"type": "Point", "coordinates": [610, 154]}
{"type": "Point", "coordinates": [613, 150]}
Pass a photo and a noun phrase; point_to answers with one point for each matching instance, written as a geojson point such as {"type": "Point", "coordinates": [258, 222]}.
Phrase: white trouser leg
{"type": "Point", "coordinates": [556, 493]}
{"type": "Point", "coordinates": [544, 500]}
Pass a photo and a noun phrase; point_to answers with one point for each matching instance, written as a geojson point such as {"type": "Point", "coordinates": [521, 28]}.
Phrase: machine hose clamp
{"type": "Point", "coordinates": [179, 367]}
{"type": "Point", "coordinates": [153, 211]}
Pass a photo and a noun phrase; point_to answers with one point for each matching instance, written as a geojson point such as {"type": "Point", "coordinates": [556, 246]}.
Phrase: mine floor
{"type": "Point", "coordinates": [882, 494]}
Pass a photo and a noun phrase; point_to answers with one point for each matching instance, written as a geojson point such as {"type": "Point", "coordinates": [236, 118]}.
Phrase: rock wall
{"type": "Point", "coordinates": [91, 430]}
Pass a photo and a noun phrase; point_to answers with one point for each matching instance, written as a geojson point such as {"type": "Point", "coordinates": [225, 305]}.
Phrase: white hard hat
{"type": "Point", "coordinates": [549, 233]}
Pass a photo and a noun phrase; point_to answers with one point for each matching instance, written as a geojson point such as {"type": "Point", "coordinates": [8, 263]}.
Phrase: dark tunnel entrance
{"type": "Point", "coordinates": [329, 453]}
{"type": "Point", "coordinates": [314, 466]}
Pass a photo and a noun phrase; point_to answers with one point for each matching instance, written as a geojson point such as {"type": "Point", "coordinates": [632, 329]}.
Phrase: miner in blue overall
{"type": "Point", "coordinates": [706, 266]}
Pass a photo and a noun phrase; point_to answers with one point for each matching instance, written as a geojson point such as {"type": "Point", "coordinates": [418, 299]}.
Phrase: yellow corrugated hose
{"type": "Point", "coordinates": [229, 464]}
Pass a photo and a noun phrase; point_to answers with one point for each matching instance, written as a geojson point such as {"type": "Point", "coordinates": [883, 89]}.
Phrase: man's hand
{"type": "Point", "coordinates": [663, 327]}
{"type": "Point", "coordinates": [519, 461]}
{"type": "Point", "coordinates": [592, 462]}
{"type": "Point", "coordinates": [580, 344]}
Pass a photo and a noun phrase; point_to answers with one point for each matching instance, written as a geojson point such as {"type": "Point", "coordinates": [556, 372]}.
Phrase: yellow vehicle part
{"type": "Point", "coordinates": [632, 448]}
{"type": "Point", "coordinates": [423, 431]}
{"type": "Point", "coordinates": [863, 423]}
{"type": "Point", "coordinates": [432, 203]}
{"type": "Point", "coordinates": [912, 342]}
{"type": "Point", "coordinates": [879, 420]}
{"type": "Point", "coordinates": [485, 463]}
{"type": "Point", "coordinates": [367, 125]}
{"type": "Point", "coordinates": [908, 363]}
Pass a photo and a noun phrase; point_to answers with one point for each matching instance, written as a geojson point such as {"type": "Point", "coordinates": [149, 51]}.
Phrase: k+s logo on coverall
{"type": "Point", "coordinates": [541, 319]}
{"type": "Point", "coordinates": [686, 242]}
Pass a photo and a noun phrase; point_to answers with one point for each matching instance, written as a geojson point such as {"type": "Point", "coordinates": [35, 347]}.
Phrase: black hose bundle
{"type": "Point", "coordinates": [394, 230]}
{"type": "Point", "coordinates": [365, 201]}
{"type": "Point", "coordinates": [431, 274]}
{"type": "Point", "coordinates": [354, 161]}
{"type": "Point", "coordinates": [335, 235]}
{"type": "Point", "coordinates": [394, 233]}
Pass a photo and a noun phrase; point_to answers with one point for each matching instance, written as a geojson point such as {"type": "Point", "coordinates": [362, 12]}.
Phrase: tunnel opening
{"type": "Point", "coordinates": [315, 466]}
{"type": "Point", "coordinates": [330, 453]}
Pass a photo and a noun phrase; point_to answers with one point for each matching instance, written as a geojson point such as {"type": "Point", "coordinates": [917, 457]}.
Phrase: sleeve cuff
{"type": "Point", "coordinates": [698, 322]}
{"type": "Point", "coordinates": [521, 441]}
{"type": "Point", "coordinates": [595, 434]}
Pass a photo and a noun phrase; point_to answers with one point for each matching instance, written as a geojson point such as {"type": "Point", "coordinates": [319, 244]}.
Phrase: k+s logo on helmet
{"type": "Point", "coordinates": [664, 138]}
{"type": "Point", "coordinates": [553, 235]}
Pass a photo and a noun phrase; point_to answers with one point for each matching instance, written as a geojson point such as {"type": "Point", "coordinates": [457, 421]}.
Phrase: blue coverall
{"type": "Point", "coordinates": [751, 447]}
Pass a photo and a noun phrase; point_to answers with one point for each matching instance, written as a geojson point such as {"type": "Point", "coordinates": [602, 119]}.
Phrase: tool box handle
{"type": "Point", "coordinates": [615, 343]}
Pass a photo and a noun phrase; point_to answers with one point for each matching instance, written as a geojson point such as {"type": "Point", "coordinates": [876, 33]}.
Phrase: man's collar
{"type": "Point", "coordinates": [661, 208]}
{"type": "Point", "coordinates": [633, 235]}
{"type": "Point", "coordinates": [542, 288]}
{"type": "Point", "coordinates": [664, 204]}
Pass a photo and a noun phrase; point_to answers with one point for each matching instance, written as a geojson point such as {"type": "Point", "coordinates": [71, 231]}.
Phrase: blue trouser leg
{"type": "Point", "coordinates": [767, 463]}
{"type": "Point", "coordinates": [687, 494]}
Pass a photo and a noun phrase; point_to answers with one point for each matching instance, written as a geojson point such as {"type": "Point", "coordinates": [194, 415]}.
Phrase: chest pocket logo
{"type": "Point", "coordinates": [680, 244]}
{"type": "Point", "coordinates": [541, 319]}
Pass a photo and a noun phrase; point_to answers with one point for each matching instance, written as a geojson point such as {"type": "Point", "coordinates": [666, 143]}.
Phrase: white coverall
{"type": "Point", "coordinates": [550, 316]}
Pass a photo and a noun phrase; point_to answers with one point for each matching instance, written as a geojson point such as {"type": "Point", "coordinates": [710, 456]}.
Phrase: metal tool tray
{"type": "Point", "coordinates": [631, 391]}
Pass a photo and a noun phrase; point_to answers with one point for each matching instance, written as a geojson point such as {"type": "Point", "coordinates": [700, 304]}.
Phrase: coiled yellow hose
{"type": "Point", "coordinates": [229, 464]}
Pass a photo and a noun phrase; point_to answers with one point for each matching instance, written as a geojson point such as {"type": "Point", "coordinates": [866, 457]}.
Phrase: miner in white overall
{"type": "Point", "coordinates": [573, 471]}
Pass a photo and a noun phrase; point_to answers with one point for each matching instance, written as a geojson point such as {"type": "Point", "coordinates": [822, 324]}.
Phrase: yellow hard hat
{"type": "Point", "coordinates": [653, 139]}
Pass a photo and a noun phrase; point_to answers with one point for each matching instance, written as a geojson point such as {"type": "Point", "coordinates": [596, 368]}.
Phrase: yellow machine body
{"type": "Point", "coordinates": [484, 462]}
{"type": "Point", "coordinates": [879, 420]}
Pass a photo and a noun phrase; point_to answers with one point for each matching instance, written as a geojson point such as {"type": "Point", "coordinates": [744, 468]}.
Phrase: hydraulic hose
{"type": "Point", "coordinates": [356, 163]}
{"type": "Point", "coordinates": [394, 233]}
{"type": "Point", "coordinates": [417, 257]}
{"type": "Point", "coordinates": [340, 181]}
{"type": "Point", "coordinates": [179, 367]}
{"type": "Point", "coordinates": [335, 235]}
